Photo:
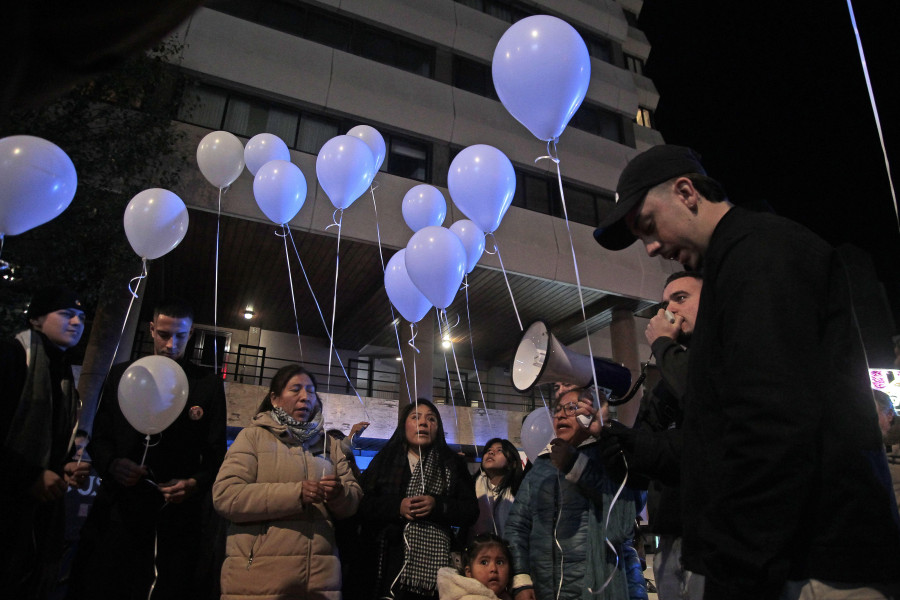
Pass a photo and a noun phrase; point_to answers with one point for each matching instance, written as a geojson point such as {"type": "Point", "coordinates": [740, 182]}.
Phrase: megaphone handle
{"type": "Point", "coordinates": [634, 388]}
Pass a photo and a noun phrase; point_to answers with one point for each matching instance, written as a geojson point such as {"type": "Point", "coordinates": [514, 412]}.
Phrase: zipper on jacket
{"type": "Point", "coordinates": [250, 559]}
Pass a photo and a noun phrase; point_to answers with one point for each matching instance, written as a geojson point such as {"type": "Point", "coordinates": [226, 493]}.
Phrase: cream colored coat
{"type": "Point", "coordinates": [277, 547]}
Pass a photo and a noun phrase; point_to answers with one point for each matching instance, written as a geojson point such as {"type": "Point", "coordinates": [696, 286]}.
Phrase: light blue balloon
{"type": "Point", "coordinates": [541, 69]}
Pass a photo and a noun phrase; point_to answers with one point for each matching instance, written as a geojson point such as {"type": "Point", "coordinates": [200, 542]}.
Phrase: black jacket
{"type": "Point", "coordinates": [784, 473]}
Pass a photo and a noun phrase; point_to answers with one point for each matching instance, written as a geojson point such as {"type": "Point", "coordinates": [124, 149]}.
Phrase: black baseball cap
{"type": "Point", "coordinates": [646, 170]}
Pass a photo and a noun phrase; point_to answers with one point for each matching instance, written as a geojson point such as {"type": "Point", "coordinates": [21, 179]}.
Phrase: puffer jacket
{"type": "Point", "coordinates": [453, 586]}
{"type": "Point", "coordinates": [557, 530]}
{"type": "Point", "coordinates": [277, 547]}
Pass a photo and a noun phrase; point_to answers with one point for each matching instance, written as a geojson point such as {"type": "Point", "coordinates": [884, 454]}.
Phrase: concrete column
{"type": "Point", "coordinates": [421, 361]}
{"type": "Point", "coordinates": [623, 335]}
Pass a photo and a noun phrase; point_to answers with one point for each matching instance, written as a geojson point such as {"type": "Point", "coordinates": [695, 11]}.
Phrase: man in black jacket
{"type": "Point", "coordinates": [148, 513]}
{"type": "Point", "coordinates": [653, 447]}
{"type": "Point", "coordinates": [786, 491]}
{"type": "Point", "coordinates": [38, 414]}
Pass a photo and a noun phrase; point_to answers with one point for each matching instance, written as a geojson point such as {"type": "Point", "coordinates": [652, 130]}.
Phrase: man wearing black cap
{"type": "Point", "coordinates": [785, 483]}
{"type": "Point", "coordinates": [39, 407]}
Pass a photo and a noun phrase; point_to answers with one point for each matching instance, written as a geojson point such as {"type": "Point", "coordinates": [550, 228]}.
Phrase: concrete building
{"type": "Point", "coordinates": [419, 71]}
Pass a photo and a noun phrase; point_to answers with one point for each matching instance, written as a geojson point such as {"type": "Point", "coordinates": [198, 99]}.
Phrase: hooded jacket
{"type": "Point", "coordinates": [278, 547]}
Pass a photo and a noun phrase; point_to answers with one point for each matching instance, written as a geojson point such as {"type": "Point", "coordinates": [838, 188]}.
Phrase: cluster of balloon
{"type": "Point", "coordinates": [541, 70]}
{"type": "Point", "coordinates": [220, 157]}
{"type": "Point", "coordinates": [402, 292]}
{"type": "Point", "coordinates": [436, 262]}
{"type": "Point", "coordinates": [422, 206]}
{"type": "Point", "coordinates": [482, 183]}
{"type": "Point", "coordinates": [345, 168]}
{"type": "Point", "coordinates": [152, 393]}
{"type": "Point", "coordinates": [156, 221]}
{"type": "Point", "coordinates": [37, 183]}
{"type": "Point", "coordinates": [537, 431]}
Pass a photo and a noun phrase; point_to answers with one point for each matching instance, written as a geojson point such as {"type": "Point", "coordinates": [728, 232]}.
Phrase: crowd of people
{"type": "Point", "coordinates": [758, 454]}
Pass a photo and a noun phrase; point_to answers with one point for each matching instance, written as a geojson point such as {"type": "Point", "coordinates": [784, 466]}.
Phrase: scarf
{"type": "Point", "coordinates": [427, 545]}
{"type": "Point", "coordinates": [31, 430]}
{"type": "Point", "coordinates": [306, 433]}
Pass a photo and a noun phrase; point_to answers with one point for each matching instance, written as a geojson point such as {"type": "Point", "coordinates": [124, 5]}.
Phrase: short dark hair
{"type": "Point", "coordinates": [708, 187]}
{"type": "Point", "coordinates": [883, 402]}
{"type": "Point", "coordinates": [280, 381]}
{"type": "Point", "coordinates": [680, 274]}
{"type": "Point", "coordinates": [175, 308]}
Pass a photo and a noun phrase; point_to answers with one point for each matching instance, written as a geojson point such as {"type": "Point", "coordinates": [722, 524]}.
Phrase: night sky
{"type": "Point", "coordinates": [772, 95]}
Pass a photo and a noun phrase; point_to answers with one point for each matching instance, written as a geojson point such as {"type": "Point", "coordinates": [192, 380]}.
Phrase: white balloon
{"type": "Point", "coordinates": [402, 292]}
{"type": "Point", "coordinates": [422, 206]}
{"type": "Point", "coordinates": [436, 263]}
{"type": "Point", "coordinates": [541, 70]}
{"type": "Point", "coordinates": [280, 190]}
{"type": "Point", "coordinates": [482, 183]}
{"type": "Point", "coordinates": [155, 222]}
{"type": "Point", "coordinates": [345, 168]}
{"type": "Point", "coordinates": [220, 157]}
{"type": "Point", "coordinates": [372, 139]}
{"type": "Point", "coordinates": [262, 148]}
{"type": "Point", "coordinates": [537, 431]}
{"type": "Point", "coordinates": [472, 238]}
{"type": "Point", "coordinates": [37, 183]}
{"type": "Point", "coordinates": [152, 393]}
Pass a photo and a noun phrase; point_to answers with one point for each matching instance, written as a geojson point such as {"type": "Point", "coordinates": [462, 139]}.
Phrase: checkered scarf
{"type": "Point", "coordinates": [306, 433]}
{"type": "Point", "coordinates": [427, 545]}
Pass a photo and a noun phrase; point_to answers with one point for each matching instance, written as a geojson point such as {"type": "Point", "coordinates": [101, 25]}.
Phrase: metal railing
{"type": "Point", "coordinates": [250, 364]}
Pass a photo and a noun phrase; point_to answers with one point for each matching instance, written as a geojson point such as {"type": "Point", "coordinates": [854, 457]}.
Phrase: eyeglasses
{"type": "Point", "coordinates": [568, 410]}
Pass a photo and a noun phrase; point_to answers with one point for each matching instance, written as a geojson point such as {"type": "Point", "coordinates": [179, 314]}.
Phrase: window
{"type": "Point", "coordinates": [599, 121]}
{"type": "Point", "coordinates": [644, 117]}
{"type": "Point", "coordinates": [314, 132]}
{"type": "Point", "coordinates": [335, 31]}
{"type": "Point", "coordinates": [406, 158]}
{"type": "Point", "coordinates": [634, 64]}
{"type": "Point", "coordinates": [473, 77]}
{"type": "Point", "coordinates": [216, 108]}
{"type": "Point", "coordinates": [630, 17]}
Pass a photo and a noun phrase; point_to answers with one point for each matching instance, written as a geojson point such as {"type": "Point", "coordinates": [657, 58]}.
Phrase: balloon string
{"type": "Point", "coordinates": [862, 59]}
{"type": "Point", "coordinates": [462, 389]}
{"type": "Point", "coordinates": [395, 322]}
{"type": "Point", "coordinates": [216, 293]}
{"type": "Point", "coordinates": [587, 333]}
{"type": "Point", "coordinates": [287, 259]}
{"type": "Point", "coordinates": [136, 282]}
{"type": "Point", "coordinates": [412, 339]}
{"type": "Point", "coordinates": [377, 227]}
{"type": "Point", "coordinates": [146, 447]}
{"type": "Point", "coordinates": [475, 363]}
{"type": "Point", "coordinates": [372, 188]}
{"type": "Point", "coordinates": [3, 264]}
{"type": "Point", "coordinates": [551, 150]}
{"type": "Point", "coordinates": [337, 266]}
{"type": "Point", "coordinates": [449, 382]}
{"type": "Point", "coordinates": [325, 325]}
{"type": "Point", "coordinates": [505, 278]}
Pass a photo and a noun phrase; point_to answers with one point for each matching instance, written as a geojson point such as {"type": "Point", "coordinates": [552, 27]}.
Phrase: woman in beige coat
{"type": "Point", "coordinates": [281, 495]}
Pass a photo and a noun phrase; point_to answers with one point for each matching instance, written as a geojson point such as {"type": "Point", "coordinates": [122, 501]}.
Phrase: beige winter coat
{"type": "Point", "coordinates": [278, 547]}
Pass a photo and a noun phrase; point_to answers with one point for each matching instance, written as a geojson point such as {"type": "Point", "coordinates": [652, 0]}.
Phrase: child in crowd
{"type": "Point", "coordinates": [487, 572]}
{"type": "Point", "coordinates": [496, 485]}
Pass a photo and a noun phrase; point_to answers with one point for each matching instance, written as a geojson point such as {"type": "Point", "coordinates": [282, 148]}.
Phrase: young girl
{"type": "Point", "coordinates": [496, 485]}
{"type": "Point", "coordinates": [487, 572]}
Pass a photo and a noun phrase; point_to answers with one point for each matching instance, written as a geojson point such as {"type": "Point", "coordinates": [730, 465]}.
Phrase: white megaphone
{"type": "Point", "coordinates": [541, 358]}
